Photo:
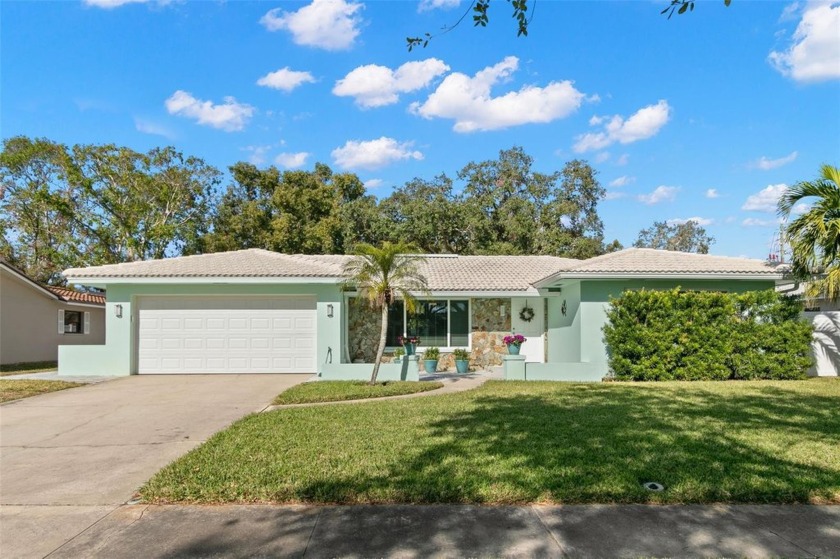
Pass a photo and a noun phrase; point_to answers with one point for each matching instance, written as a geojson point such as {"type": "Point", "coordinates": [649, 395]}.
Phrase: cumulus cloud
{"type": "Point", "coordinates": [712, 193]}
{"type": "Point", "coordinates": [110, 4]}
{"type": "Point", "coordinates": [659, 194]}
{"type": "Point", "coordinates": [285, 79]}
{"type": "Point", "coordinates": [373, 154]}
{"type": "Point", "coordinates": [641, 125]}
{"type": "Point", "coordinates": [755, 222]}
{"type": "Point", "coordinates": [701, 221]}
{"type": "Point", "coordinates": [622, 181]}
{"type": "Point", "coordinates": [623, 160]}
{"type": "Point", "coordinates": [149, 127]}
{"type": "Point", "coordinates": [374, 183]}
{"type": "Point", "coordinates": [257, 153]}
{"type": "Point", "coordinates": [469, 101]}
{"type": "Point", "coordinates": [374, 86]}
{"type": "Point", "coordinates": [427, 5]}
{"type": "Point", "coordinates": [324, 24]}
{"type": "Point", "coordinates": [814, 52]}
{"type": "Point", "coordinates": [602, 157]}
{"type": "Point", "coordinates": [229, 116]}
{"type": "Point", "coordinates": [765, 200]}
{"type": "Point", "coordinates": [766, 164]}
{"type": "Point", "coordinates": [613, 195]}
{"type": "Point", "coordinates": [292, 160]}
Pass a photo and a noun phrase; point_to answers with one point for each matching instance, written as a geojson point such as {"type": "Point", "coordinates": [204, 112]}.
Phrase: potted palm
{"type": "Point", "coordinates": [430, 359]}
{"type": "Point", "coordinates": [462, 360]}
{"type": "Point", "coordinates": [514, 343]}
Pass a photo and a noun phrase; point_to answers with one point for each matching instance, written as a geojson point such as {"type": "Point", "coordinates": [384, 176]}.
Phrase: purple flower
{"type": "Point", "coordinates": [515, 339]}
{"type": "Point", "coordinates": [402, 340]}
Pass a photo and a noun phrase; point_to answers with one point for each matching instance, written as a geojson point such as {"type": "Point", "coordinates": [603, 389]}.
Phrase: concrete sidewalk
{"type": "Point", "coordinates": [460, 531]}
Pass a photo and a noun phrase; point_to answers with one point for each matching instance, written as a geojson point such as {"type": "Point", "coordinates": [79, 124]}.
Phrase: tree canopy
{"type": "Point", "coordinates": [683, 237]}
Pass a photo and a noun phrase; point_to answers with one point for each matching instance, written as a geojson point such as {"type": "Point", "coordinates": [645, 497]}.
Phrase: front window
{"type": "Point", "coordinates": [73, 322]}
{"type": "Point", "coordinates": [438, 323]}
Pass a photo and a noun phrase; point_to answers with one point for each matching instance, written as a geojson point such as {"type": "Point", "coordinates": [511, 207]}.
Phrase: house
{"type": "Point", "coordinates": [256, 311]}
{"type": "Point", "coordinates": [35, 319]}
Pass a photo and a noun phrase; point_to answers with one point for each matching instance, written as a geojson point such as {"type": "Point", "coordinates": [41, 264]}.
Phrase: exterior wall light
{"type": "Point", "coordinates": [118, 311]}
{"type": "Point", "coordinates": [330, 310]}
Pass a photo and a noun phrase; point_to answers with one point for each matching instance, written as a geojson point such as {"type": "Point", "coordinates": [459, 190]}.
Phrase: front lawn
{"type": "Point", "coordinates": [25, 368]}
{"type": "Point", "coordinates": [335, 390]}
{"type": "Point", "coordinates": [17, 389]}
{"type": "Point", "coordinates": [518, 442]}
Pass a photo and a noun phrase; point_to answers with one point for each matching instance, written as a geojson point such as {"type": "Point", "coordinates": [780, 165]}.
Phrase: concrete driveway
{"type": "Point", "coordinates": [69, 458]}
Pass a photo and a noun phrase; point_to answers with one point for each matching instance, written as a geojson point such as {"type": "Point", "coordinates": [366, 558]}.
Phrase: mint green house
{"type": "Point", "coordinates": [256, 311]}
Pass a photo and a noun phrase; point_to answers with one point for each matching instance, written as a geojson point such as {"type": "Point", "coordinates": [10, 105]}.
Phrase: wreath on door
{"type": "Point", "coordinates": [527, 313]}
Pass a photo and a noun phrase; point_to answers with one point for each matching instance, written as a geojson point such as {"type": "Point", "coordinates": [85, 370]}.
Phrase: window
{"type": "Point", "coordinates": [73, 322]}
{"type": "Point", "coordinates": [438, 323]}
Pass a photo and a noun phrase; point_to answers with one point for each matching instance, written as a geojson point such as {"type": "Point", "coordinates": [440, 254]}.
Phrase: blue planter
{"type": "Point", "coordinates": [409, 348]}
{"type": "Point", "coordinates": [430, 365]}
{"type": "Point", "coordinates": [513, 349]}
{"type": "Point", "coordinates": [462, 367]}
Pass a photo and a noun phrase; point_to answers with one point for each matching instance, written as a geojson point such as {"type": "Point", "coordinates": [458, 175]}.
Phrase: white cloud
{"type": "Point", "coordinates": [801, 208]}
{"type": "Point", "coordinates": [229, 116]}
{"type": "Point", "coordinates": [643, 124]}
{"type": "Point", "coordinates": [427, 5]}
{"type": "Point", "coordinates": [325, 24]}
{"type": "Point", "coordinates": [149, 127]}
{"type": "Point", "coordinates": [701, 221]}
{"type": "Point", "coordinates": [660, 194]}
{"type": "Point", "coordinates": [766, 164]}
{"type": "Point", "coordinates": [258, 153]}
{"type": "Point", "coordinates": [755, 222]}
{"type": "Point", "coordinates": [602, 156]}
{"type": "Point", "coordinates": [375, 86]}
{"type": "Point", "coordinates": [285, 79]}
{"type": "Point", "coordinates": [623, 181]}
{"type": "Point", "coordinates": [623, 160]}
{"type": "Point", "coordinates": [712, 193]}
{"type": "Point", "coordinates": [613, 195]}
{"type": "Point", "coordinates": [292, 160]}
{"type": "Point", "coordinates": [814, 53]}
{"type": "Point", "coordinates": [766, 200]}
{"type": "Point", "coordinates": [110, 4]}
{"type": "Point", "coordinates": [469, 102]}
{"type": "Point", "coordinates": [373, 154]}
{"type": "Point", "coordinates": [374, 183]}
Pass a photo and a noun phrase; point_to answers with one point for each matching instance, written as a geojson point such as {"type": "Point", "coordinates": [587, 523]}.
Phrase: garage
{"type": "Point", "coordinates": [226, 334]}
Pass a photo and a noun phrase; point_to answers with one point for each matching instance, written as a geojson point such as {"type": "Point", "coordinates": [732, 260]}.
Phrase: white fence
{"type": "Point", "coordinates": [826, 344]}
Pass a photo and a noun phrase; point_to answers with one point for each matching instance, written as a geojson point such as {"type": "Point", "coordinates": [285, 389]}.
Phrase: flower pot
{"type": "Point", "coordinates": [430, 365]}
{"type": "Point", "coordinates": [462, 367]}
{"type": "Point", "coordinates": [513, 349]}
{"type": "Point", "coordinates": [409, 348]}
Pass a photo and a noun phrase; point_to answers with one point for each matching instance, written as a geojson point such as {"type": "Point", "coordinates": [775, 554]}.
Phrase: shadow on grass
{"type": "Point", "coordinates": [591, 444]}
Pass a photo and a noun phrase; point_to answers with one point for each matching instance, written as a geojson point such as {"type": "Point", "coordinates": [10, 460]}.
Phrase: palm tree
{"type": "Point", "coordinates": [381, 275]}
{"type": "Point", "coordinates": [814, 236]}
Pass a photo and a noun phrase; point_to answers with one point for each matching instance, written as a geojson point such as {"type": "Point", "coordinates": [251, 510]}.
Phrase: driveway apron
{"type": "Point", "coordinates": [69, 458]}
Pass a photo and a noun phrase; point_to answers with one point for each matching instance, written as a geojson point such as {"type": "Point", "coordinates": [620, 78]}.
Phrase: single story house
{"type": "Point", "coordinates": [35, 319]}
{"type": "Point", "coordinates": [256, 311]}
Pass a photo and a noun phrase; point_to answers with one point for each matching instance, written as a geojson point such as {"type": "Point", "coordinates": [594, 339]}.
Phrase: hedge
{"type": "Point", "coordinates": [707, 335]}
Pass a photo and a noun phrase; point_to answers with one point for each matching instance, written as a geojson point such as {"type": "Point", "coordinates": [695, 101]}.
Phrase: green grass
{"type": "Point", "coordinates": [518, 442]}
{"type": "Point", "coordinates": [336, 390]}
{"type": "Point", "coordinates": [24, 368]}
{"type": "Point", "coordinates": [17, 389]}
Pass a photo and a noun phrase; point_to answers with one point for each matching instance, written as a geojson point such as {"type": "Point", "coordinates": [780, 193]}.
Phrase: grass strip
{"type": "Point", "coordinates": [338, 390]}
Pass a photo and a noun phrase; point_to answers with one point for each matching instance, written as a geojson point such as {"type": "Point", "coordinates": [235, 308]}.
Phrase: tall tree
{"type": "Point", "coordinates": [814, 236]}
{"type": "Point", "coordinates": [383, 274]}
{"type": "Point", "coordinates": [682, 237]}
{"type": "Point", "coordinates": [304, 212]}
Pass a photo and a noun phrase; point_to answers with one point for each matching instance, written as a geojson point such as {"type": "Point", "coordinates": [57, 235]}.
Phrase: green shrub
{"type": "Point", "coordinates": [461, 354]}
{"type": "Point", "coordinates": [431, 354]}
{"type": "Point", "coordinates": [707, 335]}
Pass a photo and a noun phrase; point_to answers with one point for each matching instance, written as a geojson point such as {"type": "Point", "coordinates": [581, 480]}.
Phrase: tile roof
{"type": "Point", "coordinates": [490, 273]}
{"type": "Point", "coordinates": [645, 261]}
{"type": "Point", "coordinates": [76, 296]}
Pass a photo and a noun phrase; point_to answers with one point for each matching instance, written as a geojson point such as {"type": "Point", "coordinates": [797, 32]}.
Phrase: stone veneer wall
{"type": "Point", "coordinates": [488, 331]}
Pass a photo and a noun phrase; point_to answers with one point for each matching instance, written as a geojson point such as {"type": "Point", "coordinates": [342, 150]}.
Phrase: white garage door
{"type": "Point", "coordinates": [226, 335]}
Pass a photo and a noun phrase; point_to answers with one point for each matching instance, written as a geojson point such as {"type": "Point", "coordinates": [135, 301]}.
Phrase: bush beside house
{"type": "Point", "coordinates": [706, 335]}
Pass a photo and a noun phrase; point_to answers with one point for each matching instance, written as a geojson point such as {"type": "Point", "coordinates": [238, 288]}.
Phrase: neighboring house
{"type": "Point", "coordinates": [256, 311]}
{"type": "Point", "coordinates": [36, 319]}
{"type": "Point", "coordinates": [825, 317]}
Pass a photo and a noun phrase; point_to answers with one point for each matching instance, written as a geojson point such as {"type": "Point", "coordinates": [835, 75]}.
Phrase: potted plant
{"type": "Point", "coordinates": [398, 353]}
{"type": "Point", "coordinates": [430, 359]}
{"type": "Point", "coordinates": [462, 360]}
{"type": "Point", "coordinates": [514, 343]}
{"type": "Point", "coordinates": [410, 343]}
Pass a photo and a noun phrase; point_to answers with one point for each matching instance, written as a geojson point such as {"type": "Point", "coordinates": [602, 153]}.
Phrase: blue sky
{"type": "Point", "coordinates": [706, 116]}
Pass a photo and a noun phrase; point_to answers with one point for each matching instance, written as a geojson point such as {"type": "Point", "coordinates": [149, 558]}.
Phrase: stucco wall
{"type": "Point", "coordinates": [118, 357]}
{"type": "Point", "coordinates": [29, 323]}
